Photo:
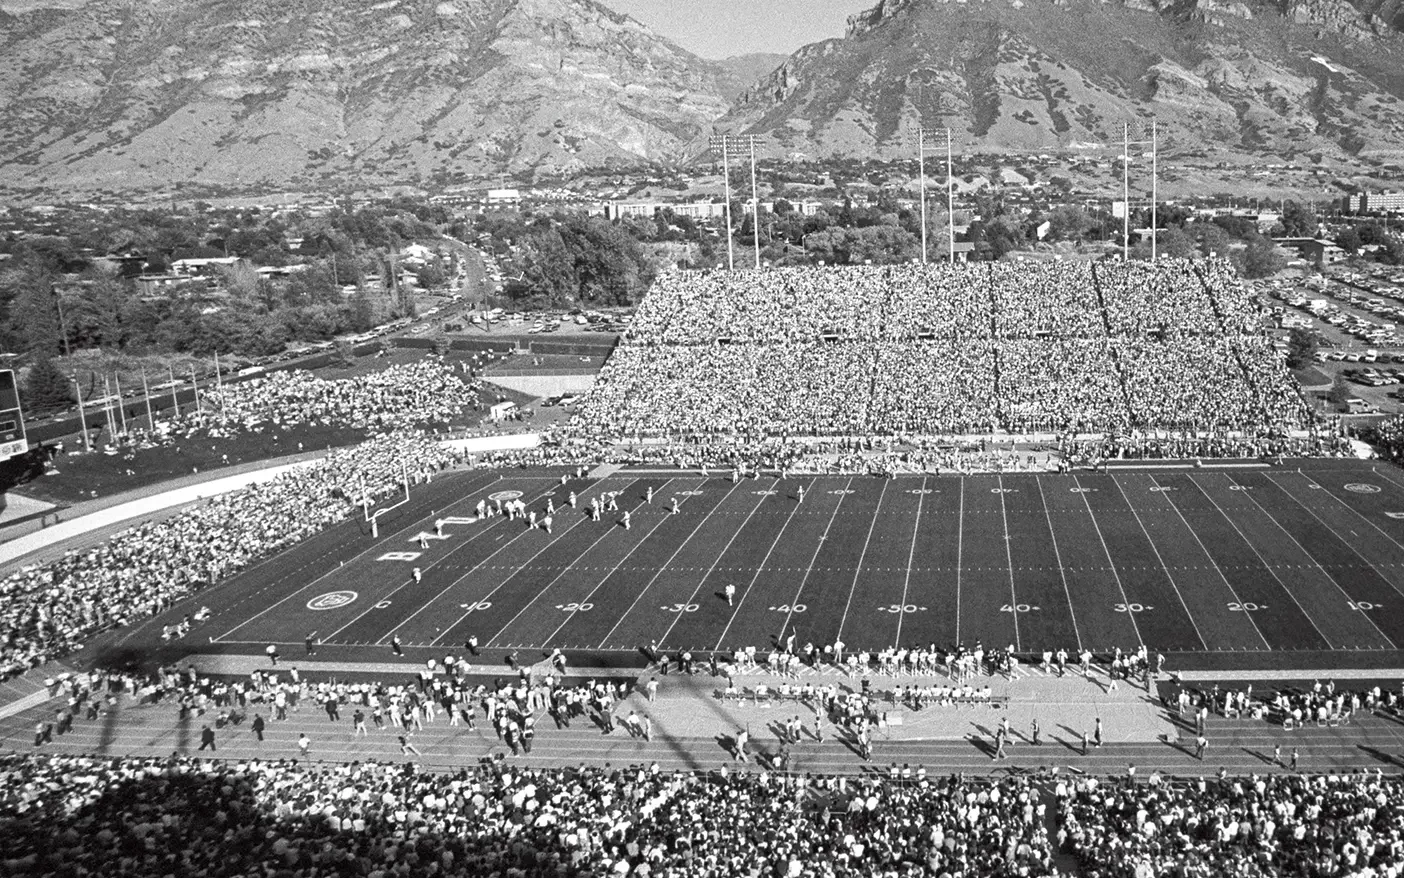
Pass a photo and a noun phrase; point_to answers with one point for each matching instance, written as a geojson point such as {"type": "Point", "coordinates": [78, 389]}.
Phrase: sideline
{"type": "Point", "coordinates": [143, 502]}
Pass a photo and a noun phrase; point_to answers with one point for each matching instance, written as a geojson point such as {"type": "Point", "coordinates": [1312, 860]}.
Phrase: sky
{"type": "Point", "coordinates": [721, 28]}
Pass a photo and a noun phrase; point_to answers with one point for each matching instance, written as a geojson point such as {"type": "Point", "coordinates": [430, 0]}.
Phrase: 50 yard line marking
{"type": "Point", "coordinates": [911, 555]}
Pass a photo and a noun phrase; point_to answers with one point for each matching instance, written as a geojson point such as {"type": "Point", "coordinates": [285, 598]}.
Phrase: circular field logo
{"type": "Point", "coordinates": [1363, 488]}
{"type": "Point", "coordinates": [503, 496]}
{"type": "Point", "coordinates": [331, 600]}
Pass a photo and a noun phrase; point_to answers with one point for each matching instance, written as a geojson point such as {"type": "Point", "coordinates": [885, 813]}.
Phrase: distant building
{"type": "Point", "coordinates": [1374, 202]}
{"type": "Point", "coordinates": [699, 210]}
{"type": "Point", "coordinates": [201, 267]}
{"type": "Point", "coordinates": [504, 198]}
{"type": "Point", "coordinates": [1317, 251]}
{"type": "Point", "coordinates": [693, 209]}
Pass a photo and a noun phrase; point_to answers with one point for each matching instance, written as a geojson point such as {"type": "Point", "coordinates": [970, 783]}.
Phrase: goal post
{"type": "Point", "coordinates": [374, 516]}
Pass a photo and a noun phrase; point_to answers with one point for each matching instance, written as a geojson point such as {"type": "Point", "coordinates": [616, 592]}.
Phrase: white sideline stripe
{"type": "Point", "coordinates": [33, 699]}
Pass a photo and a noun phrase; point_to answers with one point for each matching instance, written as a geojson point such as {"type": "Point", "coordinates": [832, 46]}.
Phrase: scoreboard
{"type": "Point", "coordinates": [12, 438]}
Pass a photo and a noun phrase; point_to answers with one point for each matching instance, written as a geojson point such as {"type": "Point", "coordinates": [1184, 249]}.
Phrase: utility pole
{"type": "Point", "coordinates": [195, 385]}
{"type": "Point", "coordinates": [755, 200]}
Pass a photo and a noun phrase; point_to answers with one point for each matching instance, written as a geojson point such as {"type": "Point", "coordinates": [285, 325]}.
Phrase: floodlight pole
{"type": "Point", "coordinates": [1154, 224]}
{"type": "Point", "coordinates": [82, 413]}
{"type": "Point", "coordinates": [921, 172]}
{"type": "Point", "coordinates": [121, 412]}
{"type": "Point", "coordinates": [755, 200]}
{"type": "Point", "coordinates": [721, 144]}
{"type": "Point", "coordinates": [1125, 192]}
{"type": "Point", "coordinates": [107, 406]}
{"type": "Point", "coordinates": [950, 198]}
{"type": "Point", "coordinates": [146, 392]}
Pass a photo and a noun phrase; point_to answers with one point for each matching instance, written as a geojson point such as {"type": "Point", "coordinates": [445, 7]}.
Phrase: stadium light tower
{"type": "Point", "coordinates": [734, 144]}
{"type": "Point", "coordinates": [1136, 134]}
{"type": "Point", "coordinates": [922, 146]}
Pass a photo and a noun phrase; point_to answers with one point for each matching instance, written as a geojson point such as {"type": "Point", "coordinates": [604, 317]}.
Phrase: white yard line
{"type": "Point", "coordinates": [960, 549]}
{"type": "Point", "coordinates": [627, 555]}
{"type": "Point", "coordinates": [1262, 560]}
{"type": "Point", "coordinates": [715, 561]}
{"type": "Point", "coordinates": [1161, 560]}
{"type": "Point", "coordinates": [1112, 564]}
{"type": "Point", "coordinates": [497, 524]}
{"type": "Point", "coordinates": [664, 566]}
{"type": "Point", "coordinates": [911, 556]}
{"type": "Point", "coordinates": [1334, 582]}
{"type": "Point", "coordinates": [1058, 553]}
{"type": "Point", "coordinates": [848, 605]}
{"type": "Point", "coordinates": [375, 546]}
{"type": "Point", "coordinates": [1210, 558]}
{"type": "Point", "coordinates": [756, 575]}
{"type": "Point", "coordinates": [1009, 561]}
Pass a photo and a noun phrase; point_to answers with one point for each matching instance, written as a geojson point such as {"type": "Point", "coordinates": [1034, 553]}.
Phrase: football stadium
{"type": "Point", "coordinates": [1011, 568]}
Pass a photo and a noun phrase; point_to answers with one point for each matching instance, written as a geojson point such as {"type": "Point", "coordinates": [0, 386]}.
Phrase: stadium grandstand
{"type": "Point", "coordinates": [596, 657]}
{"type": "Point", "coordinates": [944, 350]}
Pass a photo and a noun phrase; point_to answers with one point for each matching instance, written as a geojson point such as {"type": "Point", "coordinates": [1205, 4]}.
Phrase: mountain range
{"type": "Point", "coordinates": [123, 95]}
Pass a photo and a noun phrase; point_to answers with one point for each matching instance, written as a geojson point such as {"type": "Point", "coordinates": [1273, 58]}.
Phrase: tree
{"type": "Point", "coordinates": [1068, 222]}
{"type": "Point", "coordinates": [1173, 241]}
{"type": "Point", "coordinates": [1349, 241]}
{"type": "Point", "coordinates": [1262, 258]}
{"type": "Point", "coordinates": [1339, 393]}
{"type": "Point", "coordinates": [1301, 348]}
{"type": "Point", "coordinates": [1298, 221]}
{"type": "Point", "coordinates": [47, 388]}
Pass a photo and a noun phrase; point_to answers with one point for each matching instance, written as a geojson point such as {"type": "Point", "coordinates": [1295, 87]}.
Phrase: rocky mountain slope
{"type": "Point", "coordinates": [122, 94]}
{"type": "Point", "coordinates": [1289, 78]}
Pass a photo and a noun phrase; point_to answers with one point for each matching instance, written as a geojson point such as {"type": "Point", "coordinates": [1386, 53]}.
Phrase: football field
{"type": "Point", "coordinates": [1215, 559]}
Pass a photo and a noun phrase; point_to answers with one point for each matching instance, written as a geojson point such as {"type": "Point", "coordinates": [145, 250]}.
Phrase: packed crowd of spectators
{"type": "Point", "coordinates": [1054, 347]}
{"type": "Point", "coordinates": [211, 817]}
{"type": "Point", "coordinates": [189, 816]}
{"type": "Point", "coordinates": [49, 609]}
{"type": "Point", "coordinates": [401, 396]}
{"type": "Point", "coordinates": [1276, 824]}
